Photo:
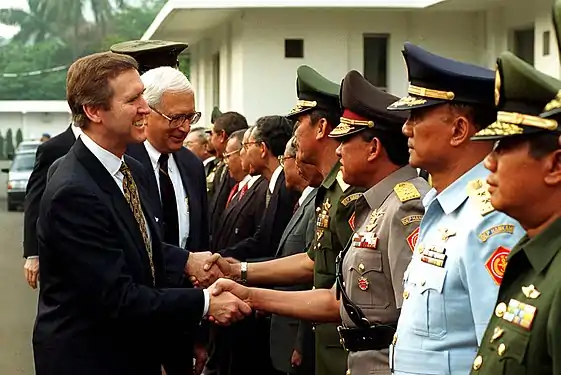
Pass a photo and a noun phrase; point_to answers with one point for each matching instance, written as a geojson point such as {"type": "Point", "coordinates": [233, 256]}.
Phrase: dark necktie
{"type": "Point", "coordinates": [268, 197]}
{"type": "Point", "coordinates": [131, 194]}
{"type": "Point", "coordinates": [169, 204]}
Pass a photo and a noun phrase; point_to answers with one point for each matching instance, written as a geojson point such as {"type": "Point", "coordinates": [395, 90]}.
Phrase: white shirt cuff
{"type": "Point", "coordinates": [32, 257]}
{"type": "Point", "coordinates": [207, 302]}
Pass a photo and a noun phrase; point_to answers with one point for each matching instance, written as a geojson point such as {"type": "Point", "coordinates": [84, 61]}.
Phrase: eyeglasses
{"type": "Point", "coordinates": [282, 159]}
{"type": "Point", "coordinates": [179, 120]}
{"type": "Point", "coordinates": [227, 155]}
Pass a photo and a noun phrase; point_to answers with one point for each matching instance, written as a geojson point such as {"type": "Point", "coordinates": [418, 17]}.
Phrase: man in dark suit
{"type": "Point", "coordinates": [150, 53]}
{"type": "Point", "coordinates": [292, 340]}
{"type": "Point", "coordinates": [241, 348]}
{"type": "Point", "coordinates": [224, 125]}
{"type": "Point", "coordinates": [267, 142]}
{"type": "Point", "coordinates": [103, 304]}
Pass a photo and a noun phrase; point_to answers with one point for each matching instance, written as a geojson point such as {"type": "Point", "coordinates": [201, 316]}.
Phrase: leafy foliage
{"type": "Point", "coordinates": [55, 33]}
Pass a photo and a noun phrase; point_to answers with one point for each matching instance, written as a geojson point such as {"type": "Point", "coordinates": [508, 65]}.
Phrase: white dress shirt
{"type": "Point", "coordinates": [305, 193]}
{"type": "Point", "coordinates": [112, 164]}
{"type": "Point", "coordinates": [76, 130]}
{"type": "Point", "coordinates": [181, 197]}
{"type": "Point", "coordinates": [274, 178]}
{"type": "Point", "coordinates": [208, 160]}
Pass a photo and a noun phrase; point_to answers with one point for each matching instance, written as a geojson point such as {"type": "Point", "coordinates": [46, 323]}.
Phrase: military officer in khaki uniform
{"type": "Point", "coordinates": [374, 156]}
{"type": "Point", "coordinates": [524, 333]}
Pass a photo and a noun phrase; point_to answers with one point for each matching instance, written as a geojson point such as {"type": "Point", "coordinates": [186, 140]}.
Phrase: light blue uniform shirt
{"type": "Point", "coordinates": [452, 282]}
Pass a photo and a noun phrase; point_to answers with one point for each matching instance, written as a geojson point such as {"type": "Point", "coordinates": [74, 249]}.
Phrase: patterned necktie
{"type": "Point", "coordinates": [268, 198]}
{"type": "Point", "coordinates": [243, 191]}
{"type": "Point", "coordinates": [131, 194]}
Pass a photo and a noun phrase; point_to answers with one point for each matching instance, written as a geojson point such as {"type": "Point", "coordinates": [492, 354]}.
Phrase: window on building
{"type": "Point", "coordinates": [523, 44]}
{"type": "Point", "coordinates": [546, 42]}
{"type": "Point", "coordinates": [294, 48]}
{"type": "Point", "coordinates": [216, 79]}
{"type": "Point", "coordinates": [375, 50]}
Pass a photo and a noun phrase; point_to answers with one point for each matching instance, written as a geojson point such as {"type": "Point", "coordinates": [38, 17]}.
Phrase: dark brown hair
{"type": "Point", "coordinates": [87, 82]}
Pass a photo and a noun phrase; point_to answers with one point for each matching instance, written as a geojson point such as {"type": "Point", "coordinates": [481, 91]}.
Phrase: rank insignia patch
{"type": "Point", "coordinates": [411, 219]}
{"type": "Point", "coordinates": [520, 314]}
{"type": "Point", "coordinates": [496, 264]}
{"type": "Point", "coordinates": [497, 229]}
{"type": "Point", "coordinates": [412, 238]}
{"type": "Point", "coordinates": [352, 222]}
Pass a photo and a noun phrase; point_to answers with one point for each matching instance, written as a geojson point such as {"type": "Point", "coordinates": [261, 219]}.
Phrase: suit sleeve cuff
{"type": "Point", "coordinates": [32, 257]}
{"type": "Point", "coordinates": [207, 302]}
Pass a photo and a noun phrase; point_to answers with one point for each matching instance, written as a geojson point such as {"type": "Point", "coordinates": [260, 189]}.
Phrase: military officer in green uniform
{"type": "Point", "coordinates": [524, 333]}
{"type": "Point", "coordinates": [374, 156]}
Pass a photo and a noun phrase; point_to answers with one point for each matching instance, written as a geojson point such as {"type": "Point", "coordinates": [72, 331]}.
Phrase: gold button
{"type": "Point", "coordinates": [361, 267]}
{"type": "Point", "coordinates": [406, 294]}
{"type": "Point", "coordinates": [501, 349]}
{"type": "Point", "coordinates": [477, 362]}
{"type": "Point", "coordinates": [348, 372]}
{"type": "Point", "coordinates": [500, 309]}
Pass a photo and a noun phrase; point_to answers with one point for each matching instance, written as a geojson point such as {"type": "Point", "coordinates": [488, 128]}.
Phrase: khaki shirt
{"type": "Point", "coordinates": [387, 218]}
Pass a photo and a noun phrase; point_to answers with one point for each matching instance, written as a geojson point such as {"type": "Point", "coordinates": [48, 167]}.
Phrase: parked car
{"type": "Point", "coordinates": [25, 146]}
{"type": "Point", "coordinates": [18, 177]}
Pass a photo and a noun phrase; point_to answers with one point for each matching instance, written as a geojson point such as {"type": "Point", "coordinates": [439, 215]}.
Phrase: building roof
{"type": "Point", "coordinates": [216, 11]}
{"type": "Point", "coordinates": [34, 106]}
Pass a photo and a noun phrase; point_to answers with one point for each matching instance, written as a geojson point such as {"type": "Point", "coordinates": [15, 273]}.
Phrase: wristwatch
{"type": "Point", "coordinates": [243, 272]}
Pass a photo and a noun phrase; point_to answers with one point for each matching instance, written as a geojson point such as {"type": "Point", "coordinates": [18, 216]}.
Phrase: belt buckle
{"type": "Point", "coordinates": [341, 339]}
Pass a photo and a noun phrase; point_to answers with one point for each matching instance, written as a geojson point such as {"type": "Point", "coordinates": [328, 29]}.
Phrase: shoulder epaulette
{"type": "Point", "coordinates": [478, 191]}
{"type": "Point", "coordinates": [406, 191]}
{"type": "Point", "coordinates": [344, 186]}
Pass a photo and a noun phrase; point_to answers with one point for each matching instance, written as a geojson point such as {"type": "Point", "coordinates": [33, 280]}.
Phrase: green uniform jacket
{"type": "Point", "coordinates": [335, 206]}
{"type": "Point", "coordinates": [524, 333]}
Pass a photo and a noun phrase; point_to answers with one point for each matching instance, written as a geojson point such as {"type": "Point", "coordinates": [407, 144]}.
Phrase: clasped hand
{"type": "Point", "coordinates": [229, 302]}
{"type": "Point", "coordinates": [208, 267]}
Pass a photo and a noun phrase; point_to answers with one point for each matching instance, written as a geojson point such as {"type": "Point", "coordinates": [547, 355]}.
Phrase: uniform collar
{"type": "Point", "coordinates": [378, 193]}
{"type": "Point", "coordinates": [541, 249]}
{"type": "Point", "coordinates": [455, 195]}
{"type": "Point", "coordinates": [331, 177]}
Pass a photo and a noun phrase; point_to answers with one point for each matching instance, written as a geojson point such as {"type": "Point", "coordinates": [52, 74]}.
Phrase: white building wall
{"type": "Point", "coordinates": [33, 125]}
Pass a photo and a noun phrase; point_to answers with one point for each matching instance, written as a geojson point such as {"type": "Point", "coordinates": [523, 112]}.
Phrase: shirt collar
{"type": "Point", "coordinates": [244, 182]}
{"type": "Point", "coordinates": [76, 130]}
{"type": "Point", "coordinates": [378, 193]}
{"type": "Point", "coordinates": [541, 249]}
{"type": "Point", "coordinates": [274, 178]}
{"type": "Point", "coordinates": [110, 161]}
{"type": "Point", "coordinates": [208, 160]}
{"type": "Point", "coordinates": [253, 180]}
{"type": "Point", "coordinates": [454, 195]}
{"type": "Point", "coordinates": [305, 194]}
{"type": "Point", "coordinates": [153, 154]}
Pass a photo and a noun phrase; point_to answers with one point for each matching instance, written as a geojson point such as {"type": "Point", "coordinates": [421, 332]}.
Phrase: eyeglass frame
{"type": "Point", "coordinates": [188, 117]}
{"type": "Point", "coordinates": [282, 158]}
{"type": "Point", "coordinates": [226, 155]}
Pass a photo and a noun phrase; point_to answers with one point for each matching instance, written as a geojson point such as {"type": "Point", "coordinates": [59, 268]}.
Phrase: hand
{"type": "Point", "coordinates": [202, 268]}
{"type": "Point", "coordinates": [31, 271]}
{"type": "Point", "coordinates": [225, 307]}
{"type": "Point", "coordinates": [229, 267]}
{"type": "Point", "coordinates": [296, 359]}
{"type": "Point", "coordinates": [201, 356]}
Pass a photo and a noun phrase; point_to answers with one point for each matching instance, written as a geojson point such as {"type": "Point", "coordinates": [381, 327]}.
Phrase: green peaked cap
{"type": "Point", "coordinates": [314, 92]}
{"type": "Point", "coordinates": [553, 108]}
{"type": "Point", "coordinates": [216, 113]}
{"type": "Point", "coordinates": [521, 93]}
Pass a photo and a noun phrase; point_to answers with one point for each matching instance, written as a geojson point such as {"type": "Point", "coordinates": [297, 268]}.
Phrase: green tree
{"type": "Point", "coordinates": [9, 143]}
{"type": "Point", "coordinates": [19, 137]}
{"type": "Point", "coordinates": [34, 25]}
{"type": "Point", "coordinates": [2, 153]}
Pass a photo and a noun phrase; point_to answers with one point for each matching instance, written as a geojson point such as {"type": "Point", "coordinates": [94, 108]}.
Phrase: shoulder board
{"type": "Point", "coordinates": [350, 198]}
{"type": "Point", "coordinates": [344, 186]}
{"type": "Point", "coordinates": [478, 191]}
{"type": "Point", "coordinates": [406, 191]}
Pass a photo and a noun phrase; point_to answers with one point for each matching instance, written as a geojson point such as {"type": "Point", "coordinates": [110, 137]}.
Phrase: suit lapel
{"type": "Point", "coordinates": [295, 220]}
{"type": "Point", "coordinates": [190, 191]}
{"type": "Point", "coordinates": [106, 182]}
{"type": "Point", "coordinates": [138, 152]}
{"type": "Point", "coordinates": [236, 208]}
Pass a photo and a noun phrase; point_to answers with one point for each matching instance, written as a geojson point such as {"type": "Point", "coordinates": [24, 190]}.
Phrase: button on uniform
{"type": "Point", "coordinates": [500, 309]}
{"type": "Point", "coordinates": [477, 362]}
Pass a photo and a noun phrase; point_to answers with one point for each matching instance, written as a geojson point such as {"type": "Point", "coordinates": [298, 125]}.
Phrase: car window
{"type": "Point", "coordinates": [23, 162]}
{"type": "Point", "coordinates": [27, 147]}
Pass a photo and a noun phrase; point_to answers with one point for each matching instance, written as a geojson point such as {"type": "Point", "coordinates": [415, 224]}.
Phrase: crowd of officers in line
{"type": "Point", "coordinates": [363, 266]}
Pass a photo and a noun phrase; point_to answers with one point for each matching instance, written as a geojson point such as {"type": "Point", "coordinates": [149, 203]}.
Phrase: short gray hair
{"type": "Point", "coordinates": [291, 147]}
{"type": "Point", "coordinates": [164, 79]}
{"type": "Point", "coordinates": [201, 134]}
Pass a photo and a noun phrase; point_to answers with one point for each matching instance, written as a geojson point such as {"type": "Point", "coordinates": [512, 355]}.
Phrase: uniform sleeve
{"type": "Point", "coordinates": [401, 240]}
{"type": "Point", "coordinates": [483, 263]}
{"type": "Point", "coordinates": [554, 333]}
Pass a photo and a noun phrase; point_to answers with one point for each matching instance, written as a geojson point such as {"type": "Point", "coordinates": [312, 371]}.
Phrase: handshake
{"type": "Point", "coordinates": [229, 301]}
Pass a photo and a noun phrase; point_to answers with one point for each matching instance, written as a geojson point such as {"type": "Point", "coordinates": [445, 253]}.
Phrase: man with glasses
{"type": "Point", "coordinates": [176, 176]}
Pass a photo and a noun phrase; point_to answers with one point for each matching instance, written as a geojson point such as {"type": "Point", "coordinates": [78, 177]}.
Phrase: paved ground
{"type": "Point", "coordinates": [17, 300]}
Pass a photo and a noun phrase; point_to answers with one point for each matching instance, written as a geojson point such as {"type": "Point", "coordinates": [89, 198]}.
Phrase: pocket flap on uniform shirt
{"type": "Point", "coordinates": [371, 260]}
{"type": "Point", "coordinates": [433, 280]}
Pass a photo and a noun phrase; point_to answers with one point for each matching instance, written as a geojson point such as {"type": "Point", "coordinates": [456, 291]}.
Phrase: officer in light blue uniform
{"type": "Point", "coordinates": [451, 284]}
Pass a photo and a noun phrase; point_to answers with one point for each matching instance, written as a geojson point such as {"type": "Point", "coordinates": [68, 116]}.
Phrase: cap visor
{"type": "Point", "coordinates": [297, 112]}
{"type": "Point", "coordinates": [412, 102]}
{"type": "Point", "coordinates": [344, 130]}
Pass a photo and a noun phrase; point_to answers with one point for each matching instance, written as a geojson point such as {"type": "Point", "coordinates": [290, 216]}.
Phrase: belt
{"type": "Point", "coordinates": [372, 338]}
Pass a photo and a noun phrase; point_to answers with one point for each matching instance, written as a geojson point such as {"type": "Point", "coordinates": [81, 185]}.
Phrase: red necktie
{"type": "Point", "coordinates": [232, 193]}
{"type": "Point", "coordinates": [243, 191]}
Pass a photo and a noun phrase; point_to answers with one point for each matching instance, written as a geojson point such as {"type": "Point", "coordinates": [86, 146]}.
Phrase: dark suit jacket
{"type": "Point", "coordinates": [289, 334]}
{"type": "Point", "coordinates": [98, 311]}
{"type": "Point", "coordinates": [221, 187]}
{"type": "Point", "coordinates": [264, 242]}
{"type": "Point", "coordinates": [241, 219]}
{"type": "Point", "coordinates": [47, 153]}
{"type": "Point", "coordinates": [194, 181]}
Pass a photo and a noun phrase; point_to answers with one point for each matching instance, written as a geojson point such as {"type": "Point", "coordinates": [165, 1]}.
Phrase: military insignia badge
{"type": "Point", "coordinates": [412, 239]}
{"type": "Point", "coordinates": [478, 190]}
{"type": "Point", "coordinates": [496, 264]}
{"type": "Point", "coordinates": [530, 291]}
{"type": "Point", "coordinates": [411, 219]}
{"type": "Point", "coordinates": [520, 314]}
{"type": "Point", "coordinates": [363, 283]}
{"type": "Point", "coordinates": [497, 86]}
{"type": "Point", "coordinates": [497, 229]}
{"type": "Point", "coordinates": [352, 222]}
{"type": "Point", "coordinates": [406, 191]}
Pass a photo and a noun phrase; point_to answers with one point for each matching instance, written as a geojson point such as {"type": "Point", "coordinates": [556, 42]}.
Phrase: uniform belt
{"type": "Point", "coordinates": [372, 338]}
